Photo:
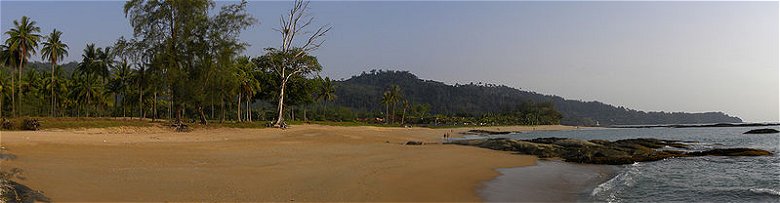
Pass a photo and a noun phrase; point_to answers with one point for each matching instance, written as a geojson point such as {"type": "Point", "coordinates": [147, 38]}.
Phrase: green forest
{"type": "Point", "coordinates": [186, 63]}
{"type": "Point", "coordinates": [499, 103]}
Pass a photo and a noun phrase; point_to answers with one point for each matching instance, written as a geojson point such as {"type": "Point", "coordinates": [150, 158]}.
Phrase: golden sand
{"type": "Point", "coordinates": [303, 163]}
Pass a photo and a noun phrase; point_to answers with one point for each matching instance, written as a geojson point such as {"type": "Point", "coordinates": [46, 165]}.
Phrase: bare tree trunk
{"type": "Point", "coordinates": [238, 111]}
{"type": "Point", "coordinates": [222, 104]}
{"type": "Point", "coordinates": [170, 104]}
{"type": "Point", "coordinates": [21, 62]}
{"type": "Point", "coordinates": [202, 115]}
{"type": "Point", "coordinates": [13, 94]}
{"type": "Point", "coordinates": [87, 110]}
{"type": "Point", "coordinates": [392, 113]}
{"type": "Point", "coordinates": [403, 117]}
{"type": "Point", "coordinates": [280, 108]}
{"type": "Point", "coordinates": [249, 108]}
{"type": "Point", "coordinates": [52, 87]}
{"type": "Point", "coordinates": [116, 102]}
{"type": "Point", "coordinates": [141, 100]}
{"type": "Point", "coordinates": [154, 105]}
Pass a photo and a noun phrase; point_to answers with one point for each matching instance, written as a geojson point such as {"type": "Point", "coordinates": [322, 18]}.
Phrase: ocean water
{"type": "Point", "coordinates": [694, 179]}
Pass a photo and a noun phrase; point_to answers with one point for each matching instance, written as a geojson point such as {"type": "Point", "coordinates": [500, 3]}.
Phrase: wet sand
{"type": "Point", "coordinates": [547, 181]}
{"type": "Point", "coordinates": [304, 163]}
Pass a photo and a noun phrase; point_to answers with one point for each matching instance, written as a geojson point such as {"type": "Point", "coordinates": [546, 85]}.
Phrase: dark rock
{"type": "Point", "coordinates": [414, 143]}
{"type": "Point", "coordinates": [732, 152]}
{"type": "Point", "coordinates": [601, 151]}
{"type": "Point", "coordinates": [486, 132]}
{"type": "Point", "coordinates": [12, 191]}
{"type": "Point", "coordinates": [762, 131]}
{"type": "Point", "coordinates": [546, 140]}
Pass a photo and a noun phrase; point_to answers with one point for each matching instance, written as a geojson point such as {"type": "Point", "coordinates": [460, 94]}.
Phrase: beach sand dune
{"type": "Point", "coordinates": [303, 163]}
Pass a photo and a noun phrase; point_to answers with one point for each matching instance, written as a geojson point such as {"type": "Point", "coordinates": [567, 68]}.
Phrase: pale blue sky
{"type": "Point", "coordinates": [653, 56]}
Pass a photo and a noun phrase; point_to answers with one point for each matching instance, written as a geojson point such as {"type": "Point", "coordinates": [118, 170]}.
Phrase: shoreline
{"type": "Point", "coordinates": [302, 163]}
{"type": "Point", "coordinates": [547, 181]}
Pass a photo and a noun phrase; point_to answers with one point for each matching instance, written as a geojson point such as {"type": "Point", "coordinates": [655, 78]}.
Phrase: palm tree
{"type": "Point", "coordinates": [387, 98]}
{"type": "Point", "coordinates": [23, 39]}
{"type": "Point", "coordinates": [85, 89]}
{"type": "Point", "coordinates": [119, 84]}
{"type": "Point", "coordinates": [327, 90]}
{"type": "Point", "coordinates": [405, 104]}
{"type": "Point", "coordinates": [88, 58]}
{"type": "Point", "coordinates": [54, 50]}
{"type": "Point", "coordinates": [104, 62]}
{"type": "Point", "coordinates": [395, 96]}
{"type": "Point", "coordinates": [248, 84]}
{"type": "Point", "coordinates": [32, 86]}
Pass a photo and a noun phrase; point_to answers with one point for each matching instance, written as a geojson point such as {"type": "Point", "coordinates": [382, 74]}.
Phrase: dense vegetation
{"type": "Point", "coordinates": [185, 62]}
{"type": "Point", "coordinates": [474, 100]}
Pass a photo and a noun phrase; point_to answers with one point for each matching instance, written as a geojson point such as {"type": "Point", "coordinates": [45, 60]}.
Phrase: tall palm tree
{"type": "Point", "coordinates": [104, 62]}
{"type": "Point", "coordinates": [395, 96]}
{"type": "Point", "coordinates": [119, 84]}
{"type": "Point", "coordinates": [248, 84]}
{"type": "Point", "coordinates": [405, 105]}
{"type": "Point", "coordinates": [327, 91]}
{"type": "Point", "coordinates": [57, 85]}
{"type": "Point", "coordinates": [53, 49]}
{"type": "Point", "coordinates": [387, 98]}
{"type": "Point", "coordinates": [88, 58]}
{"type": "Point", "coordinates": [23, 39]}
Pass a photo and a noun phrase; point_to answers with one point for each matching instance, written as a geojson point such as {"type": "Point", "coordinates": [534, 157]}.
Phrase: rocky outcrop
{"type": "Point", "coordinates": [486, 132]}
{"type": "Point", "coordinates": [602, 151]}
{"type": "Point", "coordinates": [762, 131]}
{"type": "Point", "coordinates": [732, 152]}
{"type": "Point", "coordinates": [412, 142]}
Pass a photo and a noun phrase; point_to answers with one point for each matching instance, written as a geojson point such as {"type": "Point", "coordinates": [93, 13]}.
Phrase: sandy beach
{"type": "Point", "coordinates": [303, 163]}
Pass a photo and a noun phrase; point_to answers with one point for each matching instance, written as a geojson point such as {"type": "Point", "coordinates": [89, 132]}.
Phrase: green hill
{"type": "Point", "coordinates": [363, 93]}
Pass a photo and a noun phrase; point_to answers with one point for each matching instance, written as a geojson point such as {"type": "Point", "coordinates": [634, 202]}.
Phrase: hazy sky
{"type": "Point", "coordinates": [652, 56]}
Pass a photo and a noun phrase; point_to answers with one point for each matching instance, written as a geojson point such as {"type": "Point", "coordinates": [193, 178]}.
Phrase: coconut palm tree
{"type": "Point", "coordinates": [405, 104]}
{"type": "Point", "coordinates": [119, 84]}
{"type": "Point", "coordinates": [88, 58]}
{"type": "Point", "coordinates": [32, 87]}
{"type": "Point", "coordinates": [23, 38]}
{"type": "Point", "coordinates": [327, 91]}
{"type": "Point", "coordinates": [248, 84]}
{"type": "Point", "coordinates": [387, 98]}
{"type": "Point", "coordinates": [53, 49]}
{"type": "Point", "coordinates": [85, 90]}
{"type": "Point", "coordinates": [104, 63]}
{"type": "Point", "coordinates": [395, 96]}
